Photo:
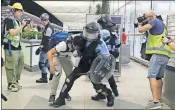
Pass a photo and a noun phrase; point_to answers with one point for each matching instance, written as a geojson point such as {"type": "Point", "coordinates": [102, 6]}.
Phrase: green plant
{"type": "Point", "coordinates": [31, 35]}
{"type": "Point", "coordinates": [105, 7]}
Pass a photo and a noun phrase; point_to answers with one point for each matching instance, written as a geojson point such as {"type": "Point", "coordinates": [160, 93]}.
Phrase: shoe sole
{"type": "Point", "coordinates": [110, 105]}
{"type": "Point", "coordinates": [57, 105]}
{"type": "Point", "coordinates": [116, 95]}
{"type": "Point", "coordinates": [19, 87]}
{"type": "Point", "coordinates": [41, 82]}
{"type": "Point", "coordinates": [160, 102]}
{"type": "Point", "coordinates": [68, 99]}
{"type": "Point", "coordinates": [13, 91]}
{"type": "Point", "coordinates": [50, 103]}
{"type": "Point", "coordinates": [98, 99]}
{"type": "Point", "coordinates": [158, 107]}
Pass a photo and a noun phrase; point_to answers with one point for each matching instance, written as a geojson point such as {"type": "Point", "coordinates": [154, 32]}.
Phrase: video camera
{"type": "Point", "coordinates": [27, 21]}
{"type": "Point", "coordinates": [142, 19]}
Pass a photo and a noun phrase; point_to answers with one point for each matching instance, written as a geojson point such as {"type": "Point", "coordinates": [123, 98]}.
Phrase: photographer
{"type": "Point", "coordinates": [14, 59]}
{"type": "Point", "coordinates": [160, 54]}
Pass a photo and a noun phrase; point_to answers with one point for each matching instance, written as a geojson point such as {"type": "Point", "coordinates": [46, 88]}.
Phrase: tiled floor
{"type": "Point", "coordinates": [134, 92]}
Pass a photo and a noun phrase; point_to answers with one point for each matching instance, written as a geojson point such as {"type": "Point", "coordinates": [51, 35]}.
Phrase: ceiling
{"type": "Point", "coordinates": [73, 13]}
{"type": "Point", "coordinates": [69, 11]}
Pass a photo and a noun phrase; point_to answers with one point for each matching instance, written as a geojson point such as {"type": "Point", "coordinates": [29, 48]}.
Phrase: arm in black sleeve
{"type": "Point", "coordinates": [45, 41]}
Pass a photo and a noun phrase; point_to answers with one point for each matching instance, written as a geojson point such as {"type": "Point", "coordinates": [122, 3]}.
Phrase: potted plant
{"type": "Point", "coordinates": [31, 35]}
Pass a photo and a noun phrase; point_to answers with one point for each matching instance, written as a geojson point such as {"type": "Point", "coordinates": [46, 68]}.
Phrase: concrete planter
{"type": "Point", "coordinates": [30, 59]}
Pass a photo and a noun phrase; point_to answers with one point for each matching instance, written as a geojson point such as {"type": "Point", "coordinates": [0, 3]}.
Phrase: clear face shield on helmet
{"type": "Point", "coordinates": [91, 31]}
{"type": "Point", "coordinates": [90, 36]}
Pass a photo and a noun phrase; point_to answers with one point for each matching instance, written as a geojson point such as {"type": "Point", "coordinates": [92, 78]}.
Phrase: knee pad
{"type": "Point", "coordinates": [99, 88]}
{"type": "Point", "coordinates": [106, 91]}
{"type": "Point", "coordinates": [99, 91]}
{"type": "Point", "coordinates": [41, 65]}
{"type": "Point", "coordinates": [158, 78]}
{"type": "Point", "coordinates": [67, 81]}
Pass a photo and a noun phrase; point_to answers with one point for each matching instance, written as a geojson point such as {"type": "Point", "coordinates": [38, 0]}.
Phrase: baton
{"type": "Point", "coordinates": [32, 45]}
{"type": "Point", "coordinates": [3, 97]}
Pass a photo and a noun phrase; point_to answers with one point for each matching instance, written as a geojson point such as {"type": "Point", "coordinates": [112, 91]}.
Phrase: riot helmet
{"type": "Point", "coordinates": [44, 17]}
{"type": "Point", "coordinates": [102, 68]}
{"type": "Point", "coordinates": [91, 31]}
{"type": "Point", "coordinates": [105, 21]}
{"type": "Point", "coordinates": [79, 42]}
{"type": "Point", "coordinates": [104, 34]}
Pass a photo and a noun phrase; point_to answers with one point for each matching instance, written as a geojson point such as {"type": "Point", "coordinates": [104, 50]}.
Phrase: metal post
{"type": "Point", "coordinates": [90, 8]}
{"type": "Point", "coordinates": [125, 15]}
{"type": "Point", "coordinates": [118, 7]}
{"type": "Point", "coordinates": [134, 28]}
{"type": "Point", "coordinates": [151, 5]}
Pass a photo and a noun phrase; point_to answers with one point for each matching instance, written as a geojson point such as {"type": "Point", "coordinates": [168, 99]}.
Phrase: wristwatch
{"type": "Point", "coordinates": [169, 41]}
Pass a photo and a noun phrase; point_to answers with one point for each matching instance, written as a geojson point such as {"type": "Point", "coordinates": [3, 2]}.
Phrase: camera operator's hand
{"type": "Point", "coordinates": [23, 23]}
{"type": "Point", "coordinates": [166, 40]}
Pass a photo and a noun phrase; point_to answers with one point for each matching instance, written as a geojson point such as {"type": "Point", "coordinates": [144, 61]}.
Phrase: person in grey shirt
{"type": "Point", "coordinates": [160, 54]}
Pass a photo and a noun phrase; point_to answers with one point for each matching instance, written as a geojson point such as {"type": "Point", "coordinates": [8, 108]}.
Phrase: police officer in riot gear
{"type": "Point", "coordinates": [89, 47]}
{"type": "Point", "coordinates": [43, 49]}
{"type": "Point", "coordinates": [109, 35]}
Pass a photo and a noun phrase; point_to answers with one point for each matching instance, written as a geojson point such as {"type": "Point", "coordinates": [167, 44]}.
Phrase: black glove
{"type": "Point", "coordinates": [38, 51]}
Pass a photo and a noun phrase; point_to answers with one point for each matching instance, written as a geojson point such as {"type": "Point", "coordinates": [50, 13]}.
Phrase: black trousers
{"type": "Point", "coordinates": [76, 73]}
{"type": "Point", "coordinates": [112, 83]}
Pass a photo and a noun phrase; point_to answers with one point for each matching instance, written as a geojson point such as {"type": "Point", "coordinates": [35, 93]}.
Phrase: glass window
{"type": "Point", "coordinates": [141, 8]}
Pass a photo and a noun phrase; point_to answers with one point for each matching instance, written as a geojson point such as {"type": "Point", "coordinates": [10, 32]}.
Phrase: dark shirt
{"type": "Point", "coordinates": [10, 25]}
{"type": "Point", "coordinates": [157, 27]}
{"type": "Point", "coordinates": [48, 31]}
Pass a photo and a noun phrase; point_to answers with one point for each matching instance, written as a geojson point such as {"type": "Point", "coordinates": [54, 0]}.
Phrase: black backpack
{"type": "Point", "coordinates": [3, 31]}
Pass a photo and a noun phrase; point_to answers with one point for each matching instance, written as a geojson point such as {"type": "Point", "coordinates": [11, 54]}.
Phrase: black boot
{"type": "Point", "coordinates": [59, 101]}
{"type": "Point", "coordinates": [51, 77]}
{"type": "Point", "coordinates": [115, 91]}
{"type": "Point", "coordinates": [98, 97]}
{"type": "Point", "coordinates": [110, 99]}
{"type": "Point", "coordinates": [113, 86]}
{"type": "Point", "coordinates": [43, 79]}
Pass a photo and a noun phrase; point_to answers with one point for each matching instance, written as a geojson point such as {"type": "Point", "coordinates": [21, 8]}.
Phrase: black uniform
{"type": "Point", "coordinates": [88, 55]}
{"type": "Point", "coordinates": [43, 62]}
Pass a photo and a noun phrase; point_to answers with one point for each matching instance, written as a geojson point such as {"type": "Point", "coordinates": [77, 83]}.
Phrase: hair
{"type": "Point", "coordinates": [79, 41]}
